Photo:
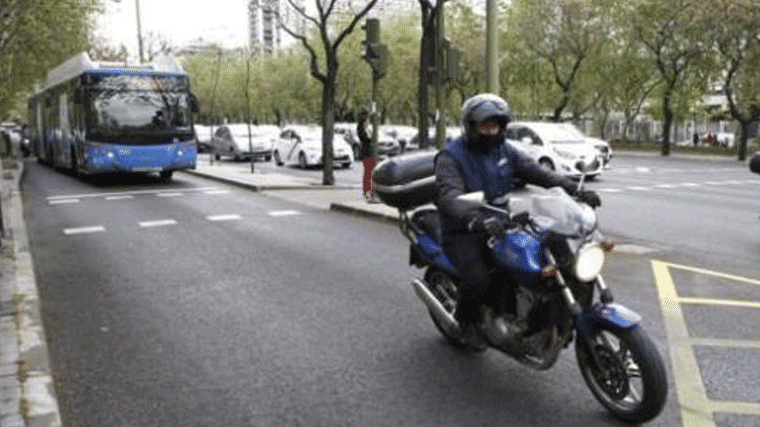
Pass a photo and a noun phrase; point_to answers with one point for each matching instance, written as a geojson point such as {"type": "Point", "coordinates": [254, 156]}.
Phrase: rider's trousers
{"type": "Point", "coordinates": [471, 256]}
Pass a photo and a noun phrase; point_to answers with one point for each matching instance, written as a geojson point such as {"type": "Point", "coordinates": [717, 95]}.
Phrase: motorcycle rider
{"type": "Point", "coordinates": [480, 160]}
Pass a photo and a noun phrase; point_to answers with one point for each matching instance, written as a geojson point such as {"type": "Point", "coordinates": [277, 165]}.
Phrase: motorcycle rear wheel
{"type": "Point", "coordinates": [628, 358]}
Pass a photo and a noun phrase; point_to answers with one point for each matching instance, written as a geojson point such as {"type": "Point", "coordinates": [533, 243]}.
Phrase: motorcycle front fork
{"type": "Point", "coordinates": [581, 327]}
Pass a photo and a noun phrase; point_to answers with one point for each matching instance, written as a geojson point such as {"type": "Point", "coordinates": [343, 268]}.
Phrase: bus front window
{"type": "Point", "coordinates": [140, 111]}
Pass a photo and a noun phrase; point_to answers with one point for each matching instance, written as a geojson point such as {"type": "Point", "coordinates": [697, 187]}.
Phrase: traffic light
{"type": "Point", "coordinates": [375, 52]}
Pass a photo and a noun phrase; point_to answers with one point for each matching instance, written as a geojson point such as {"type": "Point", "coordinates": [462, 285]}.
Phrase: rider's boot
{"type": "Point", "coordinates": [472, 336]}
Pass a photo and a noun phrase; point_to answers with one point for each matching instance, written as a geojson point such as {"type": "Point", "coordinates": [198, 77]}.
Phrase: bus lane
{"type": "Point", "coordinates": [713, 328]}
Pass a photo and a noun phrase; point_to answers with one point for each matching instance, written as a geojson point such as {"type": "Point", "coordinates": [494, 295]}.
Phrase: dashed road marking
{"type": "Point", "coordinates": [63, 201]}
{"type": "Point", "coordinates": [171, 194]}
{"type": "Point", "coordinates": [125, 197]}
{"type": "Point", "coordinates": [157, 223]}
{"type": "Point", "coordinates": [215, 192]}
{"type": "Point", "coordinates": [637, 188]}
{"type": "Point", "coordinates": [231, 217]}
{"type": "Point", "coordinates": [96, 195]}
{"type": "Point", "coordinates": [84, 230]}
{"type": "Point", "coordinates": [696, 408]}
{"type": "Point", "coordinates": [283, 213]}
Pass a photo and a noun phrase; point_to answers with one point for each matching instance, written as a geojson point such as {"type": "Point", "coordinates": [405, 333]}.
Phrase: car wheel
{"type": "Point", "coordinates": [216, 157]}
{"type": "Point", "coordinates": [277, 159]}
{"type": "Point", "coordinates": [267, 158]}
{"type": "Point", "coordinates": [302, 160]}
{"type": "Point", "coordinates": [546, 164]}
{"type": "Point", "coordinates": [166, 176]}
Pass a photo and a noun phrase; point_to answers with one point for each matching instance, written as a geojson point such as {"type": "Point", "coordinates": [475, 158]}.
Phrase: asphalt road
{"type": "Point", "coordinates": [194, 303]}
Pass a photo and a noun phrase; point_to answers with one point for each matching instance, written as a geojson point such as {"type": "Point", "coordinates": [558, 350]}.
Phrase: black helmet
{"type": "Point", "coordinates": [482, 107]}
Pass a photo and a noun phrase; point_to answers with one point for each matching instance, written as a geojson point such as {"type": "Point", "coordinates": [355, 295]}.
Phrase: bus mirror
{"type": "Point", "coordinates": [194, 104]}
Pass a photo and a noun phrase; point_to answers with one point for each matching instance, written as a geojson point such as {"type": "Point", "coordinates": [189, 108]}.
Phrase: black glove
{"type": "Point", "coordinates": [589, 197]}
{"type": "Point", "coordinates": [487, 224]}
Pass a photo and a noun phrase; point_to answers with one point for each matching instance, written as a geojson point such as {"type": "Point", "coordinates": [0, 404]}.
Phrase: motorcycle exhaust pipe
{"type": "Point", "coordinates": [444, 318]}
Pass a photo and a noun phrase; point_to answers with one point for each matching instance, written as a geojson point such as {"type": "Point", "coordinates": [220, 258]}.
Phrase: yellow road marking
{"type": "Point", "coordinates": [714, 273]}
{"type": "Point", "coordinates": [728, 303]}
{"type": "Point", "coordinates": [713, 342]}
{"type": "Point", "coordinates": [696, 408]}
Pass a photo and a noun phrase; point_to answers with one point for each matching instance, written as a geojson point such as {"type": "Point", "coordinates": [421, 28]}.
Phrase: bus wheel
{"type": "Point", "coordinates": [166, 176]}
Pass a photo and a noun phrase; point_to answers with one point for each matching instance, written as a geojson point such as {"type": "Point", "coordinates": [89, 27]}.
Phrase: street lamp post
{"type": "Point", "coordinates": [139, 32]}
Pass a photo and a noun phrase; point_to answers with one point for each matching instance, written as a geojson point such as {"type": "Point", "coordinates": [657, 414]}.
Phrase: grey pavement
{"type": "Point", "coordinates": [27, 394]}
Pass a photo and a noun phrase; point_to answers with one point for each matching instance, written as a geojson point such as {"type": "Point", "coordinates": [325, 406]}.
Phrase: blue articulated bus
{"type": "Point", "coordinates": [95, 118]}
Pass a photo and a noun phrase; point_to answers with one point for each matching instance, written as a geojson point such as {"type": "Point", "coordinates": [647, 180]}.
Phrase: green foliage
{"type": "Point", "coordinates": [36, 35]}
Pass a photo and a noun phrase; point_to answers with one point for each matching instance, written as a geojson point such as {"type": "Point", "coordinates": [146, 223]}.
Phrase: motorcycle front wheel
{"type": "Point", "coordinates": [631, 381]}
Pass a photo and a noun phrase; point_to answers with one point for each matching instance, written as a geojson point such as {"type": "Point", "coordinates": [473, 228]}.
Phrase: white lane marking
{"type": "Point", "coordinates": [665, 186]}
{"type": "Point", "coordinates": [157, 223]}
{"type": "Point", "coordinates": [732, 182]}
{"type": "Point", "coordinates": [711, 182]}
{"type": "Point", "coordinates": [636, 188]}
{"type": "Point", "coordinates": [283, 213]}
{"type": "Point", "coordinates": [62, 201]}
{"type": "Point", "coordinates": [91, 195]}
{"type": "Point", "coordinates": [642, 169]}
{"type": "Point", "coordinates": [82, 230]}
{"type": "Point", "coordinates": [214, 192]}
{"type": "Point", "coordinates": [125, 197]}
{"type": "Point", "coordinates": [609, 190]}
{"type": "Point", "coordinates": [172, 194]}
{"type": "Point", "coordinates": [688, 184]}
{"type": "Point", "coordinates": [231, 217]}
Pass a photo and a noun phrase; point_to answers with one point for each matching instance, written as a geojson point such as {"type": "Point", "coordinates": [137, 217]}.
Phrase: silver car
{"type": "Point", "coordinates": [234, 141]}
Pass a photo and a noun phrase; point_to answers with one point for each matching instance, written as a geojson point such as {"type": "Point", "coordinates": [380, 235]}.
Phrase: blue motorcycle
{"type": "Point", "coordinates": [553, 293]}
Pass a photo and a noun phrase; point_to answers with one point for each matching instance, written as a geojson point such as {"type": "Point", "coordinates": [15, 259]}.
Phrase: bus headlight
{"type": "Point", "coordinates": [589, 262]}
{"type": "Point", "coordinates": [110, 155]}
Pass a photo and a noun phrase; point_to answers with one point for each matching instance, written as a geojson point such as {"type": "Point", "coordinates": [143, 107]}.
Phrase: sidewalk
{"type": "Point", "coordinates": [27, 394]}
{"type": "Point", "coordinates": [310, 191]}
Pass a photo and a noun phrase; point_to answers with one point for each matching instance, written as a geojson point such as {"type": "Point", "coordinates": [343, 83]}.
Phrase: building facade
{"type": "Point", "coordinates": [264, 31]}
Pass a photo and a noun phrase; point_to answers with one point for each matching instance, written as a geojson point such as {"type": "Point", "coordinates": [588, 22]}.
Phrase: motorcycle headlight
{"type": "Point", "coordinates": [589, 262]}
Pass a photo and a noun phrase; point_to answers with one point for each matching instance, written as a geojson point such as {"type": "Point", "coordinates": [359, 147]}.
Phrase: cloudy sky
{"type": "Point", "coordinates": [179, 21]}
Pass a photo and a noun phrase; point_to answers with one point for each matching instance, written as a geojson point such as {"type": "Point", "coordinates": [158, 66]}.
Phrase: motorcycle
{"type": "Point", "coordinates": [549, 263]}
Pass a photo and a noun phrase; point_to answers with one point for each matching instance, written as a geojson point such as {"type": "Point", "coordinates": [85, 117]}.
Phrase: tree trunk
{"type": "Point", "coordinates": [328, 122]}
{"type": "Point", "coordinates": [743, 137]}
{"type": "Point", "coordinates": [667, 114]}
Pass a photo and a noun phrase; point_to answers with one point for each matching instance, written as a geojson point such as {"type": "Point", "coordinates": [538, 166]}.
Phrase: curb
{"type": "Point", "coordinates": [27, 392]}
{"type": "Point", "coordinates": [343, 208]}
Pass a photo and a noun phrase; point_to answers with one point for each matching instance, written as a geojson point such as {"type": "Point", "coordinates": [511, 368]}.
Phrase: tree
{"type": "Point", "coordinates": [672, 31]}
{"type": "Point", "coordinates": [558, 36]}
{"type": "Point", "coordinates": [737, 40]}
{"type": "Point", "coordinates": [327, 72]}
{"type": "Point", "coordinates": [35, 36]}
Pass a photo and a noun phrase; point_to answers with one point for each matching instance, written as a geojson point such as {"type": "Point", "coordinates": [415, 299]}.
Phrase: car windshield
{"type": "Point", "coordinates": [556, 212]}
{"type": "Point", "coordinates": [138, 109]}
{"type": "Point", "coordinates": [561, 133]}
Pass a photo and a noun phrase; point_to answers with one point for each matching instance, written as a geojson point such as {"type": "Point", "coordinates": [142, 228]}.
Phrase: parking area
{"type": "Point", "coordinates": [713, 328]}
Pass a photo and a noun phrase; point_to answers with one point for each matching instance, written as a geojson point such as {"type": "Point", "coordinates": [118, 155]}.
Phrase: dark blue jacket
{"type": "Point", "coordinates": [459, 170]}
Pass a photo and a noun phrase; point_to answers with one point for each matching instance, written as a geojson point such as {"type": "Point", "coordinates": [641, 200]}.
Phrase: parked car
{"type": "Point", "coordinates": [302, 146]}
{"type": "Point", "coordinates": [556, 146]}
{"type": "Point", "coordinates": [604, 149]}
{"type": "Point", "coordinates": [203, 136]}
{"type": "Point", "coordinates": [232, 140]}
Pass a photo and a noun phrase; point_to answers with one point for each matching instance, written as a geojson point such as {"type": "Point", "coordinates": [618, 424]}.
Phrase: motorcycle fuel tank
{"type": "Point", "coordinates": [520, 253]}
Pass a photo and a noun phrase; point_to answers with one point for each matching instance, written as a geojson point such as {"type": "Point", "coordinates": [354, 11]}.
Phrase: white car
{"type": "Point", "coordinates": [302, 146]}
{"type": "Point", "coordinates": [556, 146]}
{"type": "Point", "coordinates": [233, 140]}
{"type": "Point", "coordinates": [604, 149]}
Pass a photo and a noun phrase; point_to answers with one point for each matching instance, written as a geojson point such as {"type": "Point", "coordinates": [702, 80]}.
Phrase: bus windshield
{"type": "Point", "coordinates": [135, 108]}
